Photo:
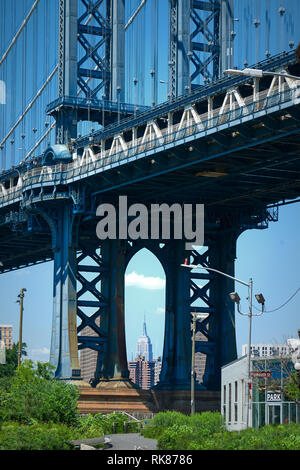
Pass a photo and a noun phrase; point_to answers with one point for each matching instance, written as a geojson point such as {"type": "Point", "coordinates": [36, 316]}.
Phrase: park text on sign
{"type": "Point", "coordinates": [273, 396]}
{"type": "Point", "coordinates": [261, 374]}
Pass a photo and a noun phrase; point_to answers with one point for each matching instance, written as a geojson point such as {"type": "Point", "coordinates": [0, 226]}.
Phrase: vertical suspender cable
{"type": "Point", "coordinates": [34, 73]}
{"type": "Point", "coordinates": [257, 25]}
{"type": "Point", "coordinates": [268, 28]}
{"type": "Point", "coordinates": [3, 75]}
{"type": "Point", "coordinates": [154, 50]}
{"type": "Point", "coordinates": [24, 82]}
{"type": "Point", "coordinates": [12, 79]}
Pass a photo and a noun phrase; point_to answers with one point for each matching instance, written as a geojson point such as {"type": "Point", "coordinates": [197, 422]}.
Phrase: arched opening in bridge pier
{"type": "Point", "coordinates": [145, 310]}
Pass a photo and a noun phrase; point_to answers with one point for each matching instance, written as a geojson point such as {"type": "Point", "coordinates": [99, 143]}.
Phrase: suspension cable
{"type": "Point", "coordinates": [15, 38]}
{"type": "Point", "coordinates": [135, 14]}
{"type": "Point", "coordinates": [30, 105]}
{"type": "Point", "coordinates": [39, 142]}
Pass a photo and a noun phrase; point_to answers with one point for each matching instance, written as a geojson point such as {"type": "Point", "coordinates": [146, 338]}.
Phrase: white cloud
{"type": "Point", "coordinates": [143, 282]}
{"type": "Point", "coordinates": [39, 351]}
{"type": "Point", "coordinates": [160, 310]}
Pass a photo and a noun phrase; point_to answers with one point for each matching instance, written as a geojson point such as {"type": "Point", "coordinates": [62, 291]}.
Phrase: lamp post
{"type": "Point", "coordinates": [258, 73]}
{"type": "Point", "coordinates": [236, 298]}
{"type": "Point", "coordinates": [119, 104]}
{"type": "Point", "coordinates": [21, 297]}
{"type": "Point", "coordinates": [195, 318]}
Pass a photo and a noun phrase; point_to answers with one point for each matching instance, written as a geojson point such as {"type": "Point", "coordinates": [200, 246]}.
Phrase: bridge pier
{"type": "Point", "coordinates": [186, 292]}
{"type": "Point", "coordinates": [176, 362]}
{"type": "Point", "coordinates": [218, 323]}
{"type": "Point", "coordinates": [64, 346]}
{"type": "Point", "coordinates": [114, 367]}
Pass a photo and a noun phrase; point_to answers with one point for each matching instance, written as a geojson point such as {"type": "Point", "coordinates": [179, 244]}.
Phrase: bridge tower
{"type": "Point", "coordinates": [206, 30]}
{"type": "Point", "coordinates": [91, 62]}
{"type": "Point", "coordinates": [90, 75]}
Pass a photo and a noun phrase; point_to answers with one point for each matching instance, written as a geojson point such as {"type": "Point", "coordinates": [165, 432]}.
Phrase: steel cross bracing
{"type": "Point", "coordinates": [90, 61]}
{"type": "Point", "coordinates": [210, 31]}
{"type": "Point", "coordinates": [200, 43]}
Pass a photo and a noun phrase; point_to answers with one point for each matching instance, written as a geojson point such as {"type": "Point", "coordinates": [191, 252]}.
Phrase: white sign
{"type": "Point", "coordinates": [273, 396]}
{"type": "Point", "coordinates": [2, 353]}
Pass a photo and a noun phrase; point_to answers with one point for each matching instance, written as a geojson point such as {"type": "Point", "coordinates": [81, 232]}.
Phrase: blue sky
{"type": "Point", "coordinates": [271, 257]}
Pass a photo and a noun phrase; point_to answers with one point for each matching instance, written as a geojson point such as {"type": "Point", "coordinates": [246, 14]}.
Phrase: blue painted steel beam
{"type": "Point", "coordinates": [64, 347]}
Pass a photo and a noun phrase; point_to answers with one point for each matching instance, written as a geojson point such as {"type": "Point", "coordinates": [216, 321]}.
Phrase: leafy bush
{"type": "Point", "coordinates": [109, 424]}
{"type": "Point", "coordinates": [206, 431]}
{"type": "Point", "coordinates": [33, 394]}
{"type": "Point", "coordinates": [176, 437]}
{"type": "Point", "coordinates": [162, 421]}
{"type": "Point", "coordinates": [14, 436]}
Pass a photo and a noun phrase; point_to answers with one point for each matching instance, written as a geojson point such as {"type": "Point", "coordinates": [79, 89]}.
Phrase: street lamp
{"type": "Point", "coordinates": [236, 298]}
{"type": "Point", "coordinates": [21, 297]}
{"type": "Point", "coordinates": [258, 73]}
{"type": "Point", "coordinates": [195, 318]}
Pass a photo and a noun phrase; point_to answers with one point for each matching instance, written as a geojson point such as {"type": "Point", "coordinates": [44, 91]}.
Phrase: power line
{"type": "Point", "coordinates": [281, 306]}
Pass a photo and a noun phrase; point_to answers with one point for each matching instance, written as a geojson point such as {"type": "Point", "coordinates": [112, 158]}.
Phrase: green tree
{"type": "Point", "coordinates": [8, 369]}
{"type": "Point", "coordinates": [33, 395]}
{"type": "Point", "coordinates": [292, 388]}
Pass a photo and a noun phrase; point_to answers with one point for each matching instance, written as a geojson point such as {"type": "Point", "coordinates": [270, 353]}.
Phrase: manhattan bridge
{"type": "Point", "coordinates": [102, 98]}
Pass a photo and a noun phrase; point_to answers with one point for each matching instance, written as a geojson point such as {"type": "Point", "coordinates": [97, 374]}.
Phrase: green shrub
{"type": "Point", "coordinates": [203, 424]}
{"type": "Point", "coordinates": [32, 394]}
{"type": "Point", "coordinates": [206, 431]}
{"type": "Point", "coordinates": [15, 436]}
{"type": "Point", "coordinates": [176, 437]}
{"type": "Point", "coordinates": [169, 418]}
{"type": "Point", "coordinates": [106, 424]}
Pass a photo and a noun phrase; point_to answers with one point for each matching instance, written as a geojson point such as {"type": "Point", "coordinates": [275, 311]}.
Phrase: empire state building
{"type": "Point", "coordinates": [144, 346]}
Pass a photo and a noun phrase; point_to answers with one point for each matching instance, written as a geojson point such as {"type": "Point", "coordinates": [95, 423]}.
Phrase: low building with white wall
{"type": "Point", "coordinates": [268, 402]}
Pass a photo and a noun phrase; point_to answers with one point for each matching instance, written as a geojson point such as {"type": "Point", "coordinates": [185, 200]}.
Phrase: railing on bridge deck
{"type": "Point", "coordinates": [89, 162]}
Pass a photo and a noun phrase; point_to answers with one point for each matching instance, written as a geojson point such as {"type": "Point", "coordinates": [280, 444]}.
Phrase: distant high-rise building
{"type": "Point", "coordinates": [88, 357]}
{"type": "Point", "coordinates": [157, 370]}
{"type": "Point", "coordinates": [6, 332]}
{"type": "Point", "coordinates": [142, 372]}
{"type": "Point", "coordinates": [200, 358]}
{"type": "Point", "coordinates": [144, 346]}
{"type": "Point", "coordinates": [267, 350]}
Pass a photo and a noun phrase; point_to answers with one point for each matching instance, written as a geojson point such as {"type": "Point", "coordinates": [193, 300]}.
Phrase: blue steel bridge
{"type": "Point", "coordinates": [229, 142]}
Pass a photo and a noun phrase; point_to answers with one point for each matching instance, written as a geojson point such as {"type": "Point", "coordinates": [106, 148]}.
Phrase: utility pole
{"type": "Point", "coordinates": [236, 298]}
{"type": "Point", "coordinates": [193, 368]}
{"type": "Point", "coordinates": [21, 297]}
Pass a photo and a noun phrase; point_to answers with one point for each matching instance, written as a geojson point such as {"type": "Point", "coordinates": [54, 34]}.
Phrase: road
{"type": "Point", "coordinates": [130, 442]}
